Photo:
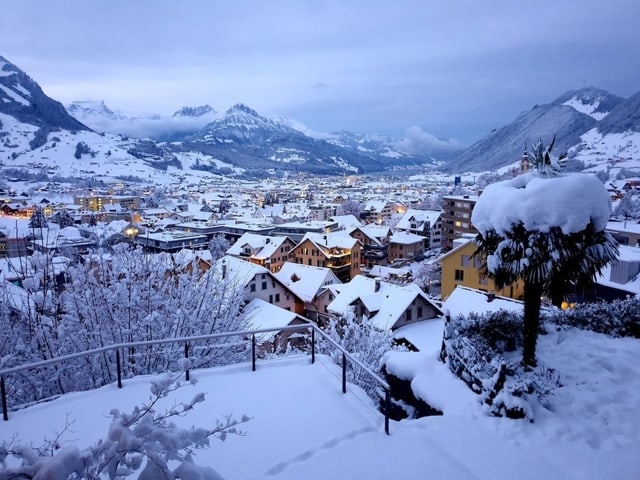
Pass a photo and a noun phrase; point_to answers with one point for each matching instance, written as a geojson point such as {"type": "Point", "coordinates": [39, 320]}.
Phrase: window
{"type": "Point", "coordinates": [459, 275]}
{"type": "Point", "coordinates": [483, 280]}
{"type": "Point", "coordinates": [407, 315]}
{"type": "Point", "coordinates": [264, 285]}
{"type": "Point", "coordinates": [270, 298]}
{"type": "Point", "coordinates": [419, 312]}
{"type": "Point", "coordinates": [277, 297]}
{"type": "Point", "coordinates": [466, 260]}
{"type": "Point", "coordinates": [252, 287]}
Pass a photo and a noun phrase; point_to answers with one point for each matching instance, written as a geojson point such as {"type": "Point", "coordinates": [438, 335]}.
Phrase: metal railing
{"type": "Point", "coordinates": [247, 334]}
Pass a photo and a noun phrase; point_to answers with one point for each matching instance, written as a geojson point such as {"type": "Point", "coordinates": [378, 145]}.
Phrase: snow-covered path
{"type": "Point", "coordinates": [302, 426]}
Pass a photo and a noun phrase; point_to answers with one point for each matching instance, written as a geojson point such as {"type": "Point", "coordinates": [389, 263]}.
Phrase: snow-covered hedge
{"type": "Point", "coordinates": [483, 350]}
{"type": "Point", "coordinates": [620, 318]}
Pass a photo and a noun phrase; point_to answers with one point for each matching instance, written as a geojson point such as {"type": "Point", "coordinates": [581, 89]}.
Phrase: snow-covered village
{"type": "Point", "coordinates": [333, 272]}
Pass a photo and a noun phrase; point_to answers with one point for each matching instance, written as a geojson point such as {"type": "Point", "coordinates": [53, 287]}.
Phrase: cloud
{"type": "Point", "coordinates": [147, 127]}
{"type": "Point", "coordinates": [418, 141]}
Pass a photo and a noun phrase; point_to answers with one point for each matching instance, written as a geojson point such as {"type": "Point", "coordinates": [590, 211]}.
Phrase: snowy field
{"type": "Point", "coordinates": [302, 426]}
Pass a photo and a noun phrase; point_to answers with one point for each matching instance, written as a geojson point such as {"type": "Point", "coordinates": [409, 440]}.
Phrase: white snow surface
{"type": "Point", "coordinates": [568, 201]}
{"type": "Point", "coordinates": [586, 108]}
{"type": "Point", "coordinates": [18, 98]}
{"type": "Point", "coordinates": [302, 426]}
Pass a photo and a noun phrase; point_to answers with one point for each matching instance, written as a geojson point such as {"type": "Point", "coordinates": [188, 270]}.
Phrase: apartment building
{"type": "Point", "coordinates": [456, 218]}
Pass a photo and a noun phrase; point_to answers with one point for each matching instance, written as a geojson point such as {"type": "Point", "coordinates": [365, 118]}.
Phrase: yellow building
{"type": "Point", "coordinates": [460, 268]}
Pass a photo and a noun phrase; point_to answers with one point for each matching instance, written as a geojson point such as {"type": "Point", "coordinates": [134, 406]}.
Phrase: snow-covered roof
{"type": "Point", "coordinates": [465, 300]}
{"type": "Point", "coordinates": [568, 201]}
{"type": "Point", "coordinates": [631, 226]}
{"type": "Point", "coordinates": [14, 227]}
{"type": "Point", "coordinates": [376, 231]}
{"type": "Point", "coordinates": [628, 255]}
{"type": "Point", "coordinates": [263, 245]}
{"type": "Point", "coordinates": [383, 271]}
{"type": "Point", "coordinates": [347, 221]}
{"type": "Point", "coordinates": [331, 240]}
{"type": "Point", "coordinates": [388, 303]}
{"type": "Point", "coordinates": [238, 270]}
{"type": "Point", "coordinates": [406, 238]}
{"type": "Point", "coordinates": [309, 280]}
{"type": "Point", "coordinates": [413, 215]}
{"type": "Point", "coordinates": [261, 314]}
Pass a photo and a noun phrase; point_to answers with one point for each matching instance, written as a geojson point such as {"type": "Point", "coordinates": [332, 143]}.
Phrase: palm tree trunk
{"type": "Point", "coordinates": [532, 301]}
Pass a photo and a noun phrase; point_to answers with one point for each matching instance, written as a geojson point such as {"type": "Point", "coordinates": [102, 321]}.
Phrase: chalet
{"type": "Point", "coordinates": [258, 282]}
{"type": "Point", "coordinates": [307, 282]}
{"type": "Point", "coordinates": [379, 211]}
{"type": "Point", "coordinates": [425, 223]}
{"type": "Point", "coordinates": [269, 251]}
{"type": "Point", "coordinates": [405, 245]}
{"type": "Point", "coordinates": [385, 305]}
{"type": "Point", "coordinates": [375, 243]}
{"type": "Point", "coordinates": [337, 251]}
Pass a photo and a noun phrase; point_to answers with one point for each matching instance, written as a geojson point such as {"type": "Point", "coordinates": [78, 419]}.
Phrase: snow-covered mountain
{"type": "Point", "coordinates": [90, 111]}
{"type": "Point", "coordinates": [569, 117]}
{"type": "Point", "coordinates": [279, 143]}
{"type": "Point", "coordinates": [23, 99]}
{"type": "Point", "coordinates": [243, 125]}
{"type": "Point", "coordinates": [591, 101]}
{"type": "Point", "coordinates": [199, 111]}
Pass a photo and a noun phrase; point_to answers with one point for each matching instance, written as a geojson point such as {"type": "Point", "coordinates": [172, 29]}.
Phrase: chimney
{"type": "Point", "coordinates": [491, 296]}
{"type": "Point", "coordinates": [377, 284]}
{"type": "Point", "coordinates": [224, 269]}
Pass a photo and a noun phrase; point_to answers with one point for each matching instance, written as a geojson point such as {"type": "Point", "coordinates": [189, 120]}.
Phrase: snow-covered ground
{"type": "Point", "coordinates": [302, 426]}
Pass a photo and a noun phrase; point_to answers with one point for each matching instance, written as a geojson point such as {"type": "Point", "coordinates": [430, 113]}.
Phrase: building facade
{"type": "Point", "coordinates": [456, 218]}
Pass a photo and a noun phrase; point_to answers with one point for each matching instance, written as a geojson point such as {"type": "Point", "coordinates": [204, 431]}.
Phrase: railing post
{"type": "Point", "coordinates": [344, 373]}
{"type": "Point", "coordinates": [5, 413]}
{"type": "Point", "coordinates": [253, 352]}
{"type": "Point", "coordinates": [387, 409]}
{"type": "Point", "coordinates": [313, 344]}
{"type": "Point", "coordinates": [118, 368]}
{"type": "Point", "coordinates": [186, 355]}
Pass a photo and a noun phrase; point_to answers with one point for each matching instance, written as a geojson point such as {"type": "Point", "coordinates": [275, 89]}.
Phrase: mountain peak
{"type": "Point", "coordinates": [22, 98]}
{"type": "Point", "coordinates": [241, 107]}
{"type": "Point", "coordinates": [198, 111]}
{"type": "Point", "coordinates": [595, 102]}
{"type": "Point", "coordinates": [88, 110]}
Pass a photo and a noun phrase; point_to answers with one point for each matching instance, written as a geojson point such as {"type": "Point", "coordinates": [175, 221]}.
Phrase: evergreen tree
{"type": "Point", "coordinates": [549, 261]}
{"type": "Point", "coordinates": [38, 220]}
{"type": "Point", "coordinates": [92, 220]}
{"type": "Point", "coordinates": [65, 220]}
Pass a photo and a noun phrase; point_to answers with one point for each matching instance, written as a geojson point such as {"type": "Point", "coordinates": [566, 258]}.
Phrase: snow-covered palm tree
{"type": "Point", "coordinates": [547, 229]}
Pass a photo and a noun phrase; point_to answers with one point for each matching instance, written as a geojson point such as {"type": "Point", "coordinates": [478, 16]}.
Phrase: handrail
{"type": "Point", "coordinates": [117, 346]}
{"type": "Point", "coordinates": [144, 343]}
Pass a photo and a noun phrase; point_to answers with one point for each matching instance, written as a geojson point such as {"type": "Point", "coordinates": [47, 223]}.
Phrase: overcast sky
{"type": "Point", "coordinates": [454, 69]}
